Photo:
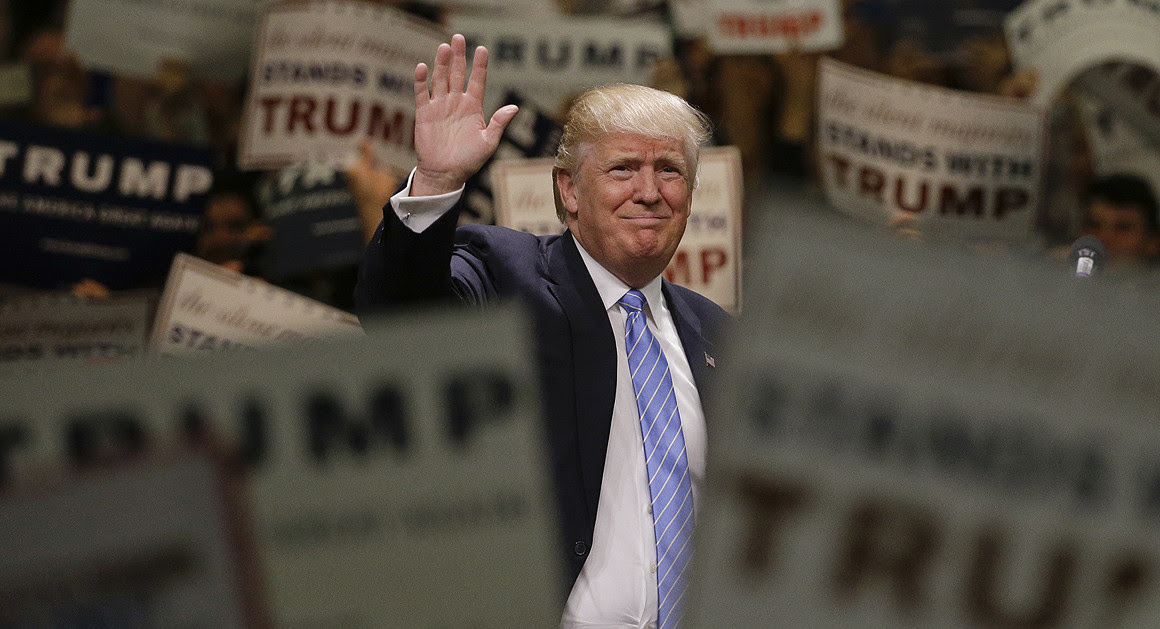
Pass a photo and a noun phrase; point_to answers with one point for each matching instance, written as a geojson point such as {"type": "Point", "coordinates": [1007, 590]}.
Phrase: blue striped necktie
{"type": "Point", "coordinates": [664, 452]}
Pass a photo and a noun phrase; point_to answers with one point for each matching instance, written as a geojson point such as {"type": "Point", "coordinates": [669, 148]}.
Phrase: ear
{"type": "Point", "coordinates": [566, 205]}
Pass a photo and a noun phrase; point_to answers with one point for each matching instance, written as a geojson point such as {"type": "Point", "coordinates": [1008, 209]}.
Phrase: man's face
{"type": "Point", "coordinates": [1124, 231]}
{"type": "Point", "coordinates": [228, 230]}
{"type": "Point", "coordinates": [628, 202]}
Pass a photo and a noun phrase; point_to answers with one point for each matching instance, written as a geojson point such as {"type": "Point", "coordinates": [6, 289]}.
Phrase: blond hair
{"type": "Point", "coordinates": [627, 108]}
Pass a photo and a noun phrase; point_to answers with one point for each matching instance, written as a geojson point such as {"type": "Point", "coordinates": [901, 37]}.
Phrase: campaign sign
{"type": "Point", "coordinates": [133, 37]}
{"type": "Point", "coordinates": [525, 195]}
{"type": "Point", "coordinates": [1122, 136]}
{"type": "Point", "coordinates": [1059, 39]}
{"type": "Point", "coordinates": [396, 480]}
{"type": "Point", "coordinates": [912, 437]}
{"type": "Point", "coordinates": [79, 205]}
{"type": "Point", "coordinates": [58, 329]}
{"type": "Point", "coordinates": [764, 26]}
{"type": "Point", "coordinates": [133, 546]}
{"type": "Point", "coordinates": [1128, 91]}
{"type": "Point", "coordinates": [315, 223]}
{"type": "Point", "coordinates": [207, 308]}
{"type": "Point", "coordinates": [327, 75]}
{"type": "Point", "coordinates": [708, 258]}
{"type": "Point", "coordinates": [946, 161]}
{"type": "Point", "coordinates": [532, 133]}
{"type": "Point", "coordinates": [551, 60]}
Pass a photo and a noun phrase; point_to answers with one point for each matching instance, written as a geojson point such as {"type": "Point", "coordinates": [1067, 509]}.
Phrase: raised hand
{"type": "Point", "coordinates": [452, 141]}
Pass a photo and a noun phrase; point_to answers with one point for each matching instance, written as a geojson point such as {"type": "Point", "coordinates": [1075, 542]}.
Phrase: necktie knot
{"type": "Point", "coordinates": [632, 300]}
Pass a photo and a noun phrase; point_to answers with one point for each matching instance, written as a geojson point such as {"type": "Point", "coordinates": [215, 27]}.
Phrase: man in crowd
{"type": "Point", "coordinates": [623, 354]}
{"type": "Point", "coordinates": [1122, 213]}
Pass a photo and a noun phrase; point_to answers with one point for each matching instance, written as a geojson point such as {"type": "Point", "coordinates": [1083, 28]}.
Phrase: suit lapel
{"type": "Point", "coordinates": [594, 352]}
{"type": "Point", "coordinates": [698, 351]}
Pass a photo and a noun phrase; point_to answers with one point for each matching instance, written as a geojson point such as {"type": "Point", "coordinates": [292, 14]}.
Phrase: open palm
{"type": "Point", "coordinates": [452, 140]}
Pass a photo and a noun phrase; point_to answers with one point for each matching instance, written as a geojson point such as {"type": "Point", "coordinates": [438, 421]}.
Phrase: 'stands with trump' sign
{"type": "Point", "coordinates": [57, 329]}
{"type": "Point", "coordinates": [206, 308]}
{"type": "Point", "coordinates": [328, 75]}
{"type": "Point", "coordinates": [947, 161]}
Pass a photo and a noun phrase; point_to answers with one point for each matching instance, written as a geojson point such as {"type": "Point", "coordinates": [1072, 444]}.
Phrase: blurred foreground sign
{"type": "Point", "coordinates": [393, 481]}
{"type": "Point", "coordinates": [127, 548]}
{"type": "Point", "coordinates": [946, 161]}
{"type": "Point", "coordinates": [905, 444]}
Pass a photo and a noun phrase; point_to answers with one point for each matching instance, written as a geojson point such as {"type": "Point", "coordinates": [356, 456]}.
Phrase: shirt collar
{"type": "Point", "coordinates": [610, 287]}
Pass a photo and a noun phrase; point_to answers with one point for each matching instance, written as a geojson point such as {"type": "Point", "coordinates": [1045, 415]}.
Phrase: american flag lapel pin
{"type": "Point", "coordinates": [709, 361]}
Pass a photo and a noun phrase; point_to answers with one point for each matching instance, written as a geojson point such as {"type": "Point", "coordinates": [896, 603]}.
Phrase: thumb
{"type": "Point", "coordinates": [499, 122]}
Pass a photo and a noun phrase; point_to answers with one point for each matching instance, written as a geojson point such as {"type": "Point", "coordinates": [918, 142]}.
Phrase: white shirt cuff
{"type": "Point", "coordinates": [419, 213]}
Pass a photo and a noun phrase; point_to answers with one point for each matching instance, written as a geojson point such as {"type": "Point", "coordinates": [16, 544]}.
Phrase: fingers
{"type": "Point", "coordinates": [478, 82]}
{"type": "Point", "coordinates": [499, 122]}
{"type": "Point", "coordinates": [442, 70]}
{"type": "Point", "coordinates": [458, 63]}
{"type": "Point", "coordinates": [421, 95]}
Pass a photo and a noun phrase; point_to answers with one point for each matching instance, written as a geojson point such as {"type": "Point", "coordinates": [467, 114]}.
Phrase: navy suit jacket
{"type": "Point", "coordinates": [575, 346]}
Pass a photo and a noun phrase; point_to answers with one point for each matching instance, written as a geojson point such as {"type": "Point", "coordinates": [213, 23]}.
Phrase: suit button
{"type": "Point", "coordinates": [580, 548]}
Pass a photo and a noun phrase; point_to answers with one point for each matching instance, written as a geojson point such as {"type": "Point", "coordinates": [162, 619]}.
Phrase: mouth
{"type": "Point", "coordinates": [646, 219]}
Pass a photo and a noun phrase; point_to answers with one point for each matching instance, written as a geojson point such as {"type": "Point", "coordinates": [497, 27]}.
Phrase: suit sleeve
{"type": "Point", "coordinates": [401, 268]}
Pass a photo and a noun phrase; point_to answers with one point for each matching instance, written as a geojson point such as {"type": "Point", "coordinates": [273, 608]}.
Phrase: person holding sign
{"type": "Point", "coordinates": [623, 354]}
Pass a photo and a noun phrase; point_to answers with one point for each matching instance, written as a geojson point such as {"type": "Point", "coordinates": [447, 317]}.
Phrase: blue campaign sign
{"type": "Point", "coordinates": [78, 205]}
{"type": "Point", "coordinates": [315, 223]}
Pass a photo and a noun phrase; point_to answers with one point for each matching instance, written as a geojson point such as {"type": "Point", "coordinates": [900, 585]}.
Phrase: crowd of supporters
{"type": "Point", "coordinates": [762, 104]}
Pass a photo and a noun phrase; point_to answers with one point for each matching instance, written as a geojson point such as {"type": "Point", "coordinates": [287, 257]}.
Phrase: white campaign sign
{"type": "Point", "coordinates": [133, 37]}
{"type": "Point", "coordinates": [206, 308]}
{"type": "Point", "coordinates": [59, 329]}
{"type": "Point", "coordinates": [765, 26]}
{"type": "Point", "coordinates": [709, 257]}
{"type": "Point", "coordinates": [524, 195]}
{"type": "Point", "coordinates": [327, 75]}
{"type": "Point", "coordinates": [397, 480]}
{"type": "Point", "coordinates": [912, 438]}
{"type": "Point", "coordinates": [1116, 139]}
{"type": "Point", "coordinates": [1059, 39]}
{"type": "Point", "coordinates": [552, 60]}
{"type": "Point", "coordinates": [949, 161]}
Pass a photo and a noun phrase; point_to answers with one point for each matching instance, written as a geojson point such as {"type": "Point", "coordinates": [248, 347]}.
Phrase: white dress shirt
{"type": "Point", "coordinates": [618, 584]}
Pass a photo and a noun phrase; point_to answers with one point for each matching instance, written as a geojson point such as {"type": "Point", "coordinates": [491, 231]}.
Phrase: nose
{"type": "Point", "coordinates": [647, 189]}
